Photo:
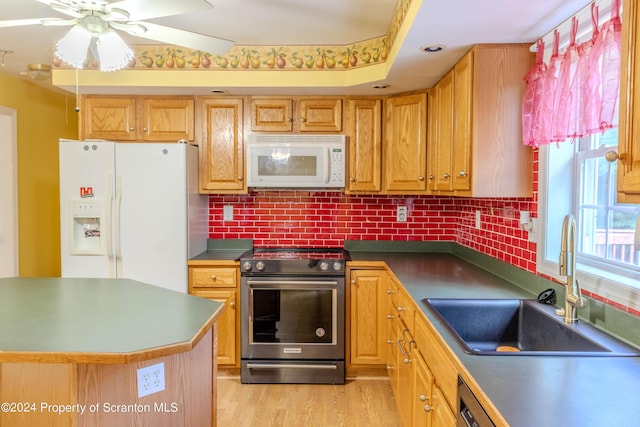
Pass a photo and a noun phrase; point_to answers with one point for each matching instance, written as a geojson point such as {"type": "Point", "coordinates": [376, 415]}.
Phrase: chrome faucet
{"type": "Point", "coordinates": [573, 298]}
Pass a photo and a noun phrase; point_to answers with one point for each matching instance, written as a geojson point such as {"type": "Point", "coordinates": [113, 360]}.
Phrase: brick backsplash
{"type": "Point", "coordinates": [327, 219]}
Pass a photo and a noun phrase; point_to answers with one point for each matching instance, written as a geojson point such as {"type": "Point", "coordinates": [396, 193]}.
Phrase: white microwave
{"type": "Point", "coordinates": [296, 161]}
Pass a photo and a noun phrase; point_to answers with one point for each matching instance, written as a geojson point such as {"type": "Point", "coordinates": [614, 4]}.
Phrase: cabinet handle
{"type": "Point", "coordinates": [214, 277]}
{"type": "Point", "coordinates": [389, 291]}
{"type": "Point", "coordinates": [353, 281]}
{"type": "Point", "coordinates": [462, 173]}
{"type": "Point", "coordinates": [389, 341]}
{"type": "Point", "coordinates": [421, 178]}
{"type": "Point", "coordinates": [446, 176]}
{"type": "Point", "coordinates": [303, 120]}
{"type": "Point", "coordinates": [352, 179]}
{"type": "Point", "coordinates": [400, 309]}
{"type": "Point", "coordinates": [289, 119]}
{"type": "Point", "coordinates": [422, 398]}
{"type": "Point", "coordinates": [389, 368]}
{"type": "Point", "coordinates": [431, 177]}
{"type": "Point", "coordinates": [145, 129]}
{"type": "Point", "coordinates": [232, 304]}
{"type": "Point", "coordinates": [427, 408]}
{"type": "Point", "coordinates": [240, 178]}
{"type": "Point", "coordinates": [613, 155]}
{"type": "Point", "coordinates": [389, 316]}
{"type": "Point", "coordinates": [132, 129]}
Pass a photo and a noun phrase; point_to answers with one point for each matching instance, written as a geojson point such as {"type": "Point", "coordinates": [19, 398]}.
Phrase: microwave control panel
{"type": "Point", "coordinates": [337, 166]}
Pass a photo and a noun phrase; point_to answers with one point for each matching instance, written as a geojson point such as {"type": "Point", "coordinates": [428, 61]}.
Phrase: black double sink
{"type": "Point", "coordinates": [521, 327]}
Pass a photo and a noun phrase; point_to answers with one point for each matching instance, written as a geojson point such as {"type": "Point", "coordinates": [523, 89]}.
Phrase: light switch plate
{"type": "Point", "coordinates": [227, 213]}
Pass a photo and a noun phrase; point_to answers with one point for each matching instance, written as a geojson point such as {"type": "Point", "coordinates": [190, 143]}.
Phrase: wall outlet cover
{"type": "Point", "coordinates": [150, 379]}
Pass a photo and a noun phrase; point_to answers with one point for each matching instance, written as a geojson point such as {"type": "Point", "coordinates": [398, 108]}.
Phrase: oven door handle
{"type": "Point", "coordinates": [278, 283]}
{"type": "Point", "coordinates": [288, 366]}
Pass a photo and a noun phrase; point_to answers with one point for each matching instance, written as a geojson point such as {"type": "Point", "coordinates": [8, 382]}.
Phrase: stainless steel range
{"type": "Point", "coordinates": [293, 310]}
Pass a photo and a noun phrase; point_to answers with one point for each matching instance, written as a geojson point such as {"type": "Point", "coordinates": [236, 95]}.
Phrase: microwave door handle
{"type": "Point", "coordinates": [327, 166]}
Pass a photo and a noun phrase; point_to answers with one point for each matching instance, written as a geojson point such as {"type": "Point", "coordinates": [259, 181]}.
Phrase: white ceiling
{"type": "Point", "coordinates": [456, 24]}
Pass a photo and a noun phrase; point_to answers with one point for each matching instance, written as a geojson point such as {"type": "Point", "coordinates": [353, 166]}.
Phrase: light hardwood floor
{"type": "Point", "coordinates": [360, 402]}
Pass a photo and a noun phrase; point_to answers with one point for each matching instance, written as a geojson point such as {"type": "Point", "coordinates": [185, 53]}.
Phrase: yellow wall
{"type": "Point", "coordinates": [43, 117]}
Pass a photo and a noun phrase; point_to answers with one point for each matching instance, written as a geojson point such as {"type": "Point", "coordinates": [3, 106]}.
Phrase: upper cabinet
{"type": "Point", "coordinates": [152, 119]}
{"type": "Point", "coordinates": [405, 144]}
{"type": "Point", "coordinates": [364, 123]}
{"type": "Point", "coordinates": [475, 148]}
{"type": "Point", "coordinates": [629, 125]}
{"type": "Point", "coordinates": [277, 114]}
{"type": "Point", "coordinates": [220, 121]}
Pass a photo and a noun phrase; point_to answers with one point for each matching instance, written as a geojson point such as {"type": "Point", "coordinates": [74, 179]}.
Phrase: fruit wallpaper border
{"type": "Point", "coordinates": [338, 57]}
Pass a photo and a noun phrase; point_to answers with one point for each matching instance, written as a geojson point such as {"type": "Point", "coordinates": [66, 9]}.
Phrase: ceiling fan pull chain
{"type": "Point", "coordinates": [77, 93]}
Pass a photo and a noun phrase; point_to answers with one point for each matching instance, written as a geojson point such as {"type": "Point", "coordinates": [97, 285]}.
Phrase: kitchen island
{"type": "Point", "coordinates": [70, 350]}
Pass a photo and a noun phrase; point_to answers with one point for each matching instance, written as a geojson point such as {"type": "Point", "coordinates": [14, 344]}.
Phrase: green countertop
{"type": "Point", "coordinates": [529, 391]}
{"type": "Point", "coordinates": [97, 320]}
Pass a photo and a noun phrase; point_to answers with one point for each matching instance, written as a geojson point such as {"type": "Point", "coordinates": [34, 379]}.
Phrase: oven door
{"type": "Point", "coordinates": [297, 317]}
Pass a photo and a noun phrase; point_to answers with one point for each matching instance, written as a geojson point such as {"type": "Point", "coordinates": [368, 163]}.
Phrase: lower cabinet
{"type": "Point", "coordinates": [417, 389]}
{"type": "Point", "coordinates": [368, 326]}
{"type": "Point", "coordinates": [221, 284]}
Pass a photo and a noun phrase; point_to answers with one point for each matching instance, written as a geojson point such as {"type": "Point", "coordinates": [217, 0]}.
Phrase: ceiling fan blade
{"type": "Point", "coordinates": [149, 9]}
{"type": "Point", "coordinates": [21, 22]}
{"type": "Point", "coordinates": [186, 38]}
{"type": "Point", "coordinates": [62, 7]}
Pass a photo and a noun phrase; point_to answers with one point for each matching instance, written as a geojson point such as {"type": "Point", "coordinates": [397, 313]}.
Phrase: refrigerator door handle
{"type": "Point", "coordinates": [107, 230]}
{"type": "Point", "coordinates": [116, 226]}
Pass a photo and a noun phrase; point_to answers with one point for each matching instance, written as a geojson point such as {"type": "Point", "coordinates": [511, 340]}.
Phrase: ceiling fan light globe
{"type": "Point", "coordinates": [113, 52]}
{"type": "Point", "coordinates": [72, 48]}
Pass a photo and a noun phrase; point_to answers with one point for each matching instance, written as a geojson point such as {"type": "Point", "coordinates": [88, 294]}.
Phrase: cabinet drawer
{"type": "Point", "coordinates": [213, 277]}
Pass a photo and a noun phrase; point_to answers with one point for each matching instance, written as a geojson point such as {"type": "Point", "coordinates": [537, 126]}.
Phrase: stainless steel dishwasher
{"type": "Point", "coordinates": [470, 412]}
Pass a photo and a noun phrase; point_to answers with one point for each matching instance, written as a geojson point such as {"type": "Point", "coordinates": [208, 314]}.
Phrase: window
{"type": "Point", "coordinates": [577, 178]}
{"type": "Point", "coordinates": [606, 228]}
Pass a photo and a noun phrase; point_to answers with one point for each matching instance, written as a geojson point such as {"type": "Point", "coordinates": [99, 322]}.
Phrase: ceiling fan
{"type": "Point", "coordinates": [98, 19]}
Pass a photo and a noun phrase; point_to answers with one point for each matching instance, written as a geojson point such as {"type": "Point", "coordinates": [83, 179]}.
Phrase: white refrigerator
{"type": "Point", "coordinates": [131, 210]}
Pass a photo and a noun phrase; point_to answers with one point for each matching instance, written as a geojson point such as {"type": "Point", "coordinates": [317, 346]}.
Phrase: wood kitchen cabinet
{"type": "Point", "coordinates": [628, 183]}
{"type": "Point", "coordinates": [221, 283]}
{"type": "Point", "coordinates": [278, 114]}
{"type": "Point", "coordinates": [476, 147]}
{"type": "Point", "coordinates": [405, 144]}
{"type": "Point", "coordinates": [150, 119]}
{"type": "Point", "coordinates": [220, 121]}
{"type": "Point", "coordinates": [368, 302]}
{"type": "Point", "coordinates": [364, 124]}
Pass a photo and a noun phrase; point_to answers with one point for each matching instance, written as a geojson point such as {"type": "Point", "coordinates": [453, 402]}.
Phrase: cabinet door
{"type": "Point", "coordinates": [405, 363]}
{"type": "Point", "coordinates": [442, 147]}
{"type": "Point", "coordinates": [422, 393]}
{"type": "Point", "coordinates": [221, 146]}
{"type": "Point", "coordinates": [368, 316]}
{"type": "Point", "coordinates": [628, 184]}
{"type": "Point", "coordinates": [443, 416]}
{"type": "Point", "coordinates": [320, 115]}
{"type": "Point", "coordinates": [227, 324]}
{"type": "Point", "coordinates": [167, 119]}
{"type": "Point", "coordinates": [365, 126]}
{"type": "Point", "coordinates": [111, 118]}
{"type": "Point", "coordinates": [461, 150]}
{"type": "Point", "coordinates": [271, 114]}
{"type": "Point", "coordinates": [405, 143]}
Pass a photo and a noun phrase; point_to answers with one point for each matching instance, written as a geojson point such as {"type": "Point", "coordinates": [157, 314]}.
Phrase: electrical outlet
{"type": "Point", "coordinates": [401, 214]}
{"type": "Point", "coordinates": [478, 222]}
{"type": "Point", "coordinates": [150, 379]}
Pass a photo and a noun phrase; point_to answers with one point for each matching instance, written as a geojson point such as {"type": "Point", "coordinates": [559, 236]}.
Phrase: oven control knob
{"type": "Point", "coordinates": [247, 266]}
{"type": "Point", "coordinates": [324, 266]}
{"type": "Point", "coordinates": [260, 266]}
{"type": "Point", "coordinates": [337, 266]}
